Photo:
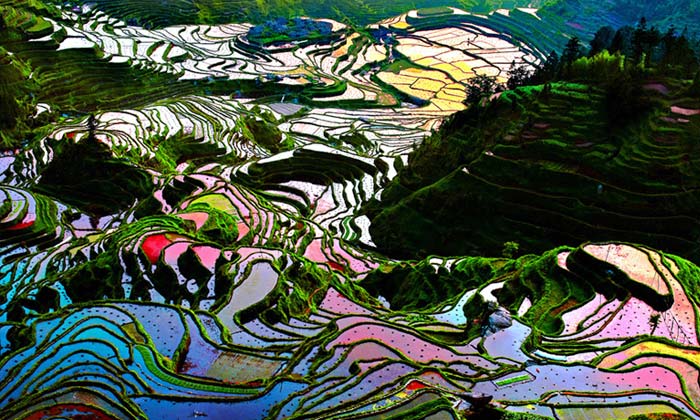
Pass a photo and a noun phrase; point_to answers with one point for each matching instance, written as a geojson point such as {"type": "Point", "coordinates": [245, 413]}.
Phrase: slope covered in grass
{"type": "Point", "coordinates": [550, 165]}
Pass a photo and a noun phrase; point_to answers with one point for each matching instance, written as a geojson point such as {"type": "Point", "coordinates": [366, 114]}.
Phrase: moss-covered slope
{"type": "Point", "coordinates": [552, 165]}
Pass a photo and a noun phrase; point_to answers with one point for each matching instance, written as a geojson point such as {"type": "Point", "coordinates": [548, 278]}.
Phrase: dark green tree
{"type": "Point", "coordinates": [480, 87]}
{"type": "Point", "coordinates": [518, 75]}
{"type": "Point", "coordinates": [602, 40]}
{"type": "Point", "coordinates": [622, 41]}
{"type": "Point", "coordinates": [548, 70]}
{"type": "Point", "coordinates": [510, 249]}
{"type": "Point", "coordinates": [677, 56]}
{"type": "Point", "coordinates": [572, 51]}
{"type": "Point", "coordinates": [644, 40]}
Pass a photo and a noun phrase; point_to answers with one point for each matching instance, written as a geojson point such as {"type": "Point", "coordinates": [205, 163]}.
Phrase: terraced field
{"type": "Point", "coordinates": [186, 235]}
{"type": "Point", "coordinates": [550, 167]}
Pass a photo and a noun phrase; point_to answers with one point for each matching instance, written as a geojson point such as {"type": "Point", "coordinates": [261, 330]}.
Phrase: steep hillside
{"type": "Point", "coordinates": [551, 165]}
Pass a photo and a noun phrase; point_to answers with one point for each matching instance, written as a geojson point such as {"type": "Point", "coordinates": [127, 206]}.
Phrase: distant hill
{"type": "Point", "coordinates": [587, 16]}
{"type": "Point", "coordinates": [157, 13]}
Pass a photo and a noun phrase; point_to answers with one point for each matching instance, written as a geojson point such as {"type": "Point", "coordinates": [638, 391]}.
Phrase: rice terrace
{"type": "Point", "coordinates": [347, 209]}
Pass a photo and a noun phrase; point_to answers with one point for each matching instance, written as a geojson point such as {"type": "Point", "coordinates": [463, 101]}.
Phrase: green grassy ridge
{"type": "Point", "coordinates": [552, 291]}
{"type": "Point", "coordinates": [306, 165]}
{"type": "Point", "coordinates": [264, 133]}
{"type": "Point", "coordinates": [417, 406]}
{"type": "Point", "coordinates": [17, 104]}
{"type": "Point", "coordinates": [22, 20]}
{"type": "Point", "coordinates": [499, 175]}
{"type": "Point", "coordinates": [169, 152]}
{"type": "Point", "coordinates": [42, 232]}
{"type": "Point", "coordinates": [85, 175]}
{"type": "Point", "coordinates": [418, 286]}
{"type": "Point", "coordinates": [689, 277]}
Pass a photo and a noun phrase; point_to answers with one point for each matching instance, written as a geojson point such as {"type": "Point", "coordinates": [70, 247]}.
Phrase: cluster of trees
{"type": "Point", "coordinates": [640, 49]}
{"type": "Point", "coordinates": [647, 45]}
{"type": "Point", "coordinates": [289, 29]}
{"type": "Point", "coordinates": [643, 47]}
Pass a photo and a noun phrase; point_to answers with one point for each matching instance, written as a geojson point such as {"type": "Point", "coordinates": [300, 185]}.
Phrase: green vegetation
{"type": "Point", "coordinates": [434, 11]}
{"type": "Point", "coordinates": [597, 155]}
{"type": "Point", "coordinates": [419, 286]}
{"type": "Point", "coordinates": [171, 151]}
{"type": "Point", "coordinates": [356, 140]}
{"type": "Point", "coordinates": [658, 416]}
{"type": "Point", "coordinates": [512, 380]}
{"type": "Point", "coordinates": [85, 175]}
{"type": "Point", "coordinates": [480, 88]}
{"type": "Point", "coordinates": [263, 132]}
{"type": "Point", "coordinates": [285, 30]}
{"type": "Point", "coordinates": [17, 102]}
{"type": "Point", "coordinates": [95, 279]}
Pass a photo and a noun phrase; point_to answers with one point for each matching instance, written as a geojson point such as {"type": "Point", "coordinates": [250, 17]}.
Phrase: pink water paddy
{"type": "Point", "coordinates": [356, 264]}
{"type": "Point", "coordinates": [633, 320]}
{"type": "Point", "coordinates": [574, 318]}
{"type": "Point", "coordinates": [172, 252]}
{"type": "Point", "coordinates": [633, 261]}
{"type": "Point", "coordinates": [199, 218]}
{"type": "Point", "coordinates": [685, 111]}
{"type": "Point", "coordinates": [649, 377]}
{"type": "Point", "coordinates": [207, 255]}
{"type": "Point", "coordinates": [561, 259]}
{"type": "Point", "coordinates": [411, 346]}
{"type": "Point", "coordinates": [315, 252]}
{"type": "Point", "coordinates": [658, 87]}
{"type": "Point", "coordinates": [687, 371]}
{"type": "Point", "coordinates": [153, 245]}
{"type": "Point", "coordinates": [337, 303]}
